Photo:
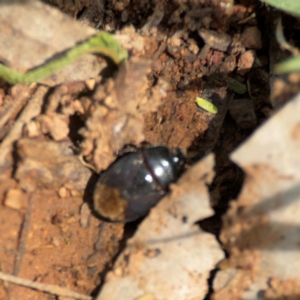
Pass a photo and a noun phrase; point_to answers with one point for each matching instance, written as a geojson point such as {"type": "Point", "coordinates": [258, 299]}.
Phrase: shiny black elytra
{"type": "Point", "coordinates": [135, 182]}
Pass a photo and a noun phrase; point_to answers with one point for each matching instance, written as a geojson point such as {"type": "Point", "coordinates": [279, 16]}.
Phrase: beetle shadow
{"type": "Point", "coordinates": [288, 197]}
{"type": "Point", "coordinates": [285, 231]}
{"type": "Point", "coordinates": [88, 196]}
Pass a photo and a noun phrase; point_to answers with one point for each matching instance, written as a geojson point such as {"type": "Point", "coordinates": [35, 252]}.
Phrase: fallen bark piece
{"type": "Point", "coordinates": [261, 229]}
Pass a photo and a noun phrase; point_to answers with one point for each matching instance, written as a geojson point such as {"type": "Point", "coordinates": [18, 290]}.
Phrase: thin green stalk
{"type": "Point", "coordinates": [103, 43]}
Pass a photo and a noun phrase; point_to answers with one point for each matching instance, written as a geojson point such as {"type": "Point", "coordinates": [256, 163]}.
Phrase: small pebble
{"type": "Point", "coordinates": [251, 38]}
{"type": "Point", "coordinates": [15, 199]}
{"type": "Point", "coordinates": [75, 193]}
{"type": "Point", "coordinates": [85, 213]}
{"type": "Point", "coordinates": [118, 272]}
{"type": "Point", "coordinates": [62, 192]}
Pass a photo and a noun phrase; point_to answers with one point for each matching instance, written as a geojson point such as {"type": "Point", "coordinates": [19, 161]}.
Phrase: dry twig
{"type": "Point", "coordinates": [23, 237]}
{"type": "Point", "coordinates": [32, 110]}
{"type": "Point", "coordinates": [48, 288]}
{"type": "Point", "coordinates": [18, 103]}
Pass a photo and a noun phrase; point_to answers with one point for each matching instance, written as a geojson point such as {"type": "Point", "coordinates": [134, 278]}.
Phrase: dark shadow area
{"type": "Point", "coordinates": [210, 282]}
{"type": "Point", "coordinates": [89, 194]}
{"type": "Point", "coordinates": [273, 203]}
{"type": "Point", "coordinates": [229, 178]}
{"type": "Point", "coordinates": [129, 230]}
{"type": "Point", "coordinates": [75, 123]}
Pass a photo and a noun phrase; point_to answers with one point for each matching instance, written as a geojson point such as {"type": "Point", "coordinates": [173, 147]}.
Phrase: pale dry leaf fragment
{"type": "Point", "coordinates": [261, 230]}
{"type": "Point", "coordinates": [169, 256]}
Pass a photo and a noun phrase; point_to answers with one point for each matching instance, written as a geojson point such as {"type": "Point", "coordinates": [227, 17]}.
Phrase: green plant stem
{"type": "Point", "coordinates": [103, 43]}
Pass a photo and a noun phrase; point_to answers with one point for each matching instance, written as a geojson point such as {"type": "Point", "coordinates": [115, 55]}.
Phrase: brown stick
{"type": "Point", "coordinates": [32, 110]}
{"type": "Point", "coordinates": [18, 103]}
{"type": "Point", "coordinates": [47, 288]}
{"type": "Point", "coordinates": [23, 236]}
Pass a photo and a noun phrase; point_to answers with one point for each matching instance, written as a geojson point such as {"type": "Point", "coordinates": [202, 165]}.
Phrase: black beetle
{"type": "Point", "coordinates": [135, 182]}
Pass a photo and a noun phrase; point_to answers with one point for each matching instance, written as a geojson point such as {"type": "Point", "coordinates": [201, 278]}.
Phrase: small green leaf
{"type": "Point", "coordinates": [236, 86]}
{"type": "Point", "coordinates": [206, 105]}
{"type": "Point", "coordinates": [291, 64]}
